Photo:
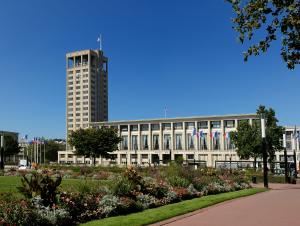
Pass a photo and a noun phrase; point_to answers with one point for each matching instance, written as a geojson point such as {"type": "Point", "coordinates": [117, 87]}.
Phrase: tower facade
{"type": "Point", "coordinates": [86, 89]}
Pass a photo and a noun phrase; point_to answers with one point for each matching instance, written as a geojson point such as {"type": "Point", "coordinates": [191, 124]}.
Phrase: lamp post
{"type": "Point", "coordinates": [265, 149]}
{"type": "Point", "coordinates": [285, 158]}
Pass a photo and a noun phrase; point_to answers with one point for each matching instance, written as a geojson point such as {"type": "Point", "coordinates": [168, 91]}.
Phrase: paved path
{"type": "Point", "coordinates": [278, 207]}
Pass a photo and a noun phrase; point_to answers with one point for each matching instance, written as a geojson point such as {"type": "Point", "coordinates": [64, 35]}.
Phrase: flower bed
{"type": "Point", "coordinates": [132, 190]}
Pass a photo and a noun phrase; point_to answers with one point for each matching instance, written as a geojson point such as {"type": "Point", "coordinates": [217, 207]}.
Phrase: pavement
{"type": "Point", "coordinates": [278, 207]}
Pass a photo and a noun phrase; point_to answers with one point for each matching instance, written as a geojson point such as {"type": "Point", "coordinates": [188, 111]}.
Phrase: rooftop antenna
{"type": "Point", "coordinates": [100, 42]}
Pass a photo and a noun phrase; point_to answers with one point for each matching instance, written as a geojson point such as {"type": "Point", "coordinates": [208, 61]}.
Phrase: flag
{"type": "Point", "coordinates": [295, 133]}
{"type": "Point", "coordinates": [194, 132]}
{"type": "Point", "coordinates": [216, 134]}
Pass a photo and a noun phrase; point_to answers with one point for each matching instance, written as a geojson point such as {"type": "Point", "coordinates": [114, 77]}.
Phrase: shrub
{"type": "Point", "coordinates": [178, 181]}
{"type": "Point", "coordinates": [109, 205]}
{"type": "Point", "coordinates": [40, 184]}
{"type": "Point", "coordinates": [123, 187]}
{"type": "Point", "coordinates": [146, 201]}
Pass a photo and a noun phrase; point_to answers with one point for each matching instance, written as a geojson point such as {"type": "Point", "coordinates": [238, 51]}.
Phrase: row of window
{"type": "Point", "coordinates": [78, 119]}
{"type": "Point", "coordinates": [179, 125]}
{"type": "Point", "coordinates": [178, 144]}
{"type": "Point", "coordinates": [78, 109]}
{"type": "Point", "coordinates": [78, 92]}
{"type": "Point", "coordinates": [78, 114]}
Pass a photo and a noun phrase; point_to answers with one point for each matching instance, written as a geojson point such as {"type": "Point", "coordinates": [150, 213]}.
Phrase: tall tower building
{"type": "Point", "coordinates": [86, 80]}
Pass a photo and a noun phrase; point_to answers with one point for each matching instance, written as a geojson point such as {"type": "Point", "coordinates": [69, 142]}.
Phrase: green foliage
{"type": "Point", "coordinates": [123, 187]}
{"type": "Point", "coordinates": [278, 18]}
{"type": "Point", "coordinates": [178, 181]}
{"type": "Point", "coordinates": [93, 142]}
{"type": "Point", "coordinates": [51, 148]}
{"type": "Point", "coordinates": [247, 138]}
{"type": "Point", "coordinates": [40, 184]}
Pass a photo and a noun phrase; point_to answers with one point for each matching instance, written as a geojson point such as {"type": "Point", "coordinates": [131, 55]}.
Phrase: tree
{"type": "Point", "coordinates": [11, 147]}
{"type": "Point", "coordinates": [279, 18]}
{"type": "Point", "coordinates": [247, 138]}
{"type": "Point", "coordinates": [51, 148]}
{"type": "Point", "coordinates": [94, 143]}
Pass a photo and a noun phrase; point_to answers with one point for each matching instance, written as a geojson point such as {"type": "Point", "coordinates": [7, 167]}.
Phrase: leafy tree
{"type": "Point", "coordinates": [11, 147]}
{"type": "Point", "coordinates": [247, 138]}
{"type": "Point", "coordinates": [279, 18]}
{"type": "Point", "coordinates": [94, 143]}
{"type": "Point", "coordinates": [51, 148]}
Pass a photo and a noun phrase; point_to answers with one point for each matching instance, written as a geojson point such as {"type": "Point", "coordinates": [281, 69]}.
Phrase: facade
{"type": "Point", "coordinates": [87, 88]}
{"type": "Point", "coordinates": [159, 140]}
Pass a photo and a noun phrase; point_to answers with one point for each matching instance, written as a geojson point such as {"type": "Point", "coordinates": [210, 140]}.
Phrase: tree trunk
{"type": "Point", "coordinates": [255, 164]}
{"type": "Point", "coordinates": [94, 161]}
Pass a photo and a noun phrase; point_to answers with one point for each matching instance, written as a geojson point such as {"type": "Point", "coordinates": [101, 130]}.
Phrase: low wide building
{"type": "Point", "coordinates": [203, 139]}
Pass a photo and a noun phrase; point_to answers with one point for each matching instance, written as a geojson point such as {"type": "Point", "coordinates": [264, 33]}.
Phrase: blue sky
{"type": "Point", "coordinates": [179, 54]}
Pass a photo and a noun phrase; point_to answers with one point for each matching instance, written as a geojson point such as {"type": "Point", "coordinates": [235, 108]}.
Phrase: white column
{"type": "Point", "coordinates": [183, 138]}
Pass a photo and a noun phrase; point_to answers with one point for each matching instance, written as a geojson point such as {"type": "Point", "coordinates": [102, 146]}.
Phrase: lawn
{"type": "Point", "coordinates": [10, 183]}
{"type": "Point", "coordinates": [168, 211]}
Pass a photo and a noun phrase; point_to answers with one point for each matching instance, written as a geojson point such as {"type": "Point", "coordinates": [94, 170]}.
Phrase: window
{"type": "Point", "coordinates": [124, 143]}
{"type": "Point", "coordinates": [85, 81]}
{"type": "Point", "coordinates": [190, 142]}
{"type": "Point", "coordinates": [154, 126]}
{"type": "Point", "coordinates": [85, 119]}
{"type": "Point", "coordinates": [190, 157]}
{"type": "Point", "coordinates": [229, 145]}
{"type": "Point", "coordinates": [178, 142]}
{"type": "Point", "coordinates": [177, 125]}
{"type": "Point", "coordinates": [229, 123]}
{"type": "Point", "coordinates": [77, 87]}
{"type": "Point", "coordinates": [70, 83]}
{"type": "Point", "coordinates": [85, 86]}
{"type": "Point", "coordinates": [203, 125]}
{"type": "Point", "coordinates": [85, 92]}
{"type": "Point", "coordinates": [70, 88]}
{"type": "Point", "coordinates": [70, 115]}
{"type": "Point", "coordinates": [85, 97]}
{"type": "Point", "coordinates": [134, 143]}
{"type": "Point", "coordinates": [85, 114]}
{"type": "Point", "coordinates": [155, 143]}
{"type": "Point", "coordinates": [216, 140]}
{"type": "Point", "coordinates": [145, 142]}
{"type": "Point", "coordinates": [166, 126]}
{"type": "Point", "coordinates": [144, 127]}
{"type": "Point", "coordinates": [85, 108]}
{"type": "Point", "coordinates": [70, 104]}
{"type": "Point", "coordinates": [78, 103]}
{"type": "Point", "coordinates": [124, 128]}
{"type": "Point", "coordinates": [134, 128]}
{"type": "Point", "coordinates": [215, 124]}
{"type": "Point", "coordinates": [167, 141]}
{"type": "Point", "coordinates": [189, 125]}
{"type": "Point", "coordinates": [77, 98]}
{"type": "Point", "coordinates": [203, 140]}
{"type": "Point", "coordinates": [70, 120]}
{"type": "Point", "coordinates": [70, 93]}
{"type": "Point", "coordinates": [77, 109]}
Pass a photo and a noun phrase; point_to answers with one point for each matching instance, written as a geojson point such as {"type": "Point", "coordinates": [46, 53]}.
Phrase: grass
{"type": "Point", "coordinates": [10, 183]}
{"type": "Point", "coordinates": [168, 211]}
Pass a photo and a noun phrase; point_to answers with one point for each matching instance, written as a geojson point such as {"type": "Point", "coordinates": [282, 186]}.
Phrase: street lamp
{"type": "Point", "coordinates": [265, 149]}
{"type": "Point", "coordinates": [285, 158]}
